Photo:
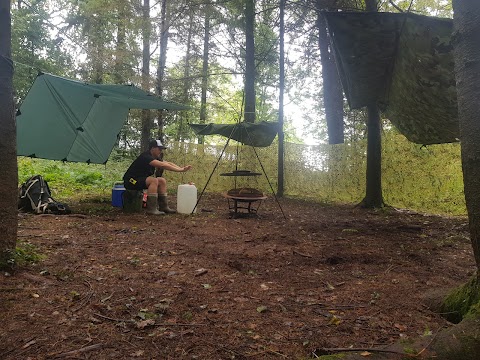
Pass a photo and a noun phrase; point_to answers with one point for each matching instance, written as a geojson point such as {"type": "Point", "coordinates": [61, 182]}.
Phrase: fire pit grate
{"type": "Point", "coordinates": [245, 193]}
{"type": "Point", "coordinates": [248, 199]}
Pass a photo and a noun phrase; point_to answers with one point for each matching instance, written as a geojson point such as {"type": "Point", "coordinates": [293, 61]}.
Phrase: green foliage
{"type": "Point", "coordinates": [74, 182]}
{"type": "Point", "coordinates": [423, 178]}
{"type": "Point", "coordinates": [89, 178]}
{"type": "Point", "coordinates": [440, 8]}
{"type": "Point", "coordinates": [35, 45]}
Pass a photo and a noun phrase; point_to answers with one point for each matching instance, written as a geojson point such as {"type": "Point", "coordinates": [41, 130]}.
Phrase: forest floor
{"type": "Point", "coordinates": [208, 286]}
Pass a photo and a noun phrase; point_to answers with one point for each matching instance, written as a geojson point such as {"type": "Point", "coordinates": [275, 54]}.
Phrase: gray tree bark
{"type": "Point", "coordinates": [8, 149]}
{"type": "Point", "coordinates": [162, 61]}
{"type": "Point", "coordinates": [121, 45]}
{"type": "Point", "coordinates": [332, 87]}
{"type": "Point", "coordinates": [281, 135]}
{"type": "Point", "coordinates": [146, 33]}
{"type": "Point", "coordinates": [373, 195]}
{"type": "Point", "coordinates": [467, 72]}
{"type": "Point", "coordinates": [250, 97]}
{"type": "Point", "coordinates": [187, 83]}
{"type": "Point", "coordinates": [206, 51]}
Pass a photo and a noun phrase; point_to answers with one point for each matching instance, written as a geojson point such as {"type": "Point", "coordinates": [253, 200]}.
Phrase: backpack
{"type": "Point", "coordinates": [34, 195]}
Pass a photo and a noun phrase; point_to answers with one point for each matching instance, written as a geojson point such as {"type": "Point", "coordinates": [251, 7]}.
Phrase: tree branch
{"type": "Point", "coordinates": [395, 6]}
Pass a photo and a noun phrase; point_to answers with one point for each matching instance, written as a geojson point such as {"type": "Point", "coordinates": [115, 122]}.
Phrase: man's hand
{"type": "Point", "coordinates": [187, 167]}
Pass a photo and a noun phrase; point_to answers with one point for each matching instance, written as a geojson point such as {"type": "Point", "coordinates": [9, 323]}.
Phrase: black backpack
{"type": "Point", "coordinates": [34, 195]}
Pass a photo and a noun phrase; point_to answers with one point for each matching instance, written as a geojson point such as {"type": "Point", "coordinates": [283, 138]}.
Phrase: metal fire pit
{"type": "Point", "coordinates": [244, 201]}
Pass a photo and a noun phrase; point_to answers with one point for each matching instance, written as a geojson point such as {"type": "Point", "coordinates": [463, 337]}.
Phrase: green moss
{"type": "Point", "coordinates": [23, 255]}
{"type": "Point", "coordinates": [462, 301]}
{"type": "Point", "coordinates": [474, 311]}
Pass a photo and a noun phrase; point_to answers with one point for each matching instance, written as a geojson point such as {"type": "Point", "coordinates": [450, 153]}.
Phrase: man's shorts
{"type": "Point", "coordinates": [135, 183]}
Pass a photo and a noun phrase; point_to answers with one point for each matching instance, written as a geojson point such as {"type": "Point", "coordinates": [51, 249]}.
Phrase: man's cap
{"type": "Point", "coordinates": [156, 143]}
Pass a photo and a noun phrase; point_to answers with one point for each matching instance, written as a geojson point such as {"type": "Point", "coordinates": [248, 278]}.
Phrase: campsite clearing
{"type": "Point", "coordinates": [122, 286]}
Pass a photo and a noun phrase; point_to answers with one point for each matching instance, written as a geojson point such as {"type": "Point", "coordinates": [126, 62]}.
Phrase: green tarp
{"type": "Point", "coordinates": [404, 63]}
{"type": "Point", "coordinates": [62, 119]}
{"type": "Point", "coordinates": [260, 134]}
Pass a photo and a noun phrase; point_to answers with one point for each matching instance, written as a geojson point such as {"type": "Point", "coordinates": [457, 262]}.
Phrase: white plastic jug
{"type": "Point", "coordinates": [186, 198]}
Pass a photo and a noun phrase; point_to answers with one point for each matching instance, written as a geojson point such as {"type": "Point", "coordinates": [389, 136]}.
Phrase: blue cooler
{"type": "Point", "coordinates": [117, 194]}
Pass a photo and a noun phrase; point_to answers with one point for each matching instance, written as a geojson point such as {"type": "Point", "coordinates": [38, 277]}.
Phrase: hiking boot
{"type": "Point", "coordinates": [152, 205]}
{"type": "Point", "coordinates": [163, 205]}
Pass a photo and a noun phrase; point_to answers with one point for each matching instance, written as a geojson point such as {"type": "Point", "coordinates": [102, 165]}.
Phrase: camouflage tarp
{"type": "Point", "coordinates": [260, 134]}
{"type": "Point", "coordinates": [402, 62]}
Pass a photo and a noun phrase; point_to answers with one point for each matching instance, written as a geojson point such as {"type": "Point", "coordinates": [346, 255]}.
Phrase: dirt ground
{"type": "Point", "coordinates": [209, 286]}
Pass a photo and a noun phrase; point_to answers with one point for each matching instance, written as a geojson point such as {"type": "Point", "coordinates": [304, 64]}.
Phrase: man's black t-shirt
{"type": "Point", "coordinates": [140, 168]}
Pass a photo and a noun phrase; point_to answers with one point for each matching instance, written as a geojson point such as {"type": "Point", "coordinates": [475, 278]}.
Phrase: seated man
{"type": "Point", "coordinates": [139, 177]}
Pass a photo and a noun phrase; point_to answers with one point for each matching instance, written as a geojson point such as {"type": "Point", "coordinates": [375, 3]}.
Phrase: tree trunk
{"type": "Point", "coordinates": [371, 5]}
{"type": "Point", "coordinates": [162, 61]}
{"type": "Point", "coordinates": [8, 153]}
{"type": "Point", "coordinates": [281, 137]}
{"type": "Point", "coordinates": [467, 70]}
{"type": "Point", "coordinates": [250, 97]}
{"type": "Point", "coordinates": [187, 81]}
{"type": "Point", "coordinates": [146, 33]}
{"type": "Point", "coordinates": [373, 196]}
{"type": "Point", "coordinates": [462, 341]}
{"type": "Point", "coordinates": [332, 88]}
{"type": "Point", "coordinates": [97, 51]}
{"type": "Point", "coordinates": [96, 48]}
{"type": "Point", "coordinates": [121, 46]}
{"type": "Point", "coordinates": [206, 50]}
